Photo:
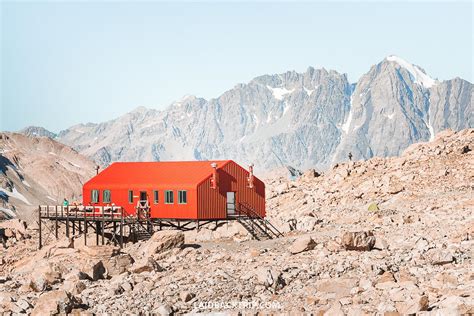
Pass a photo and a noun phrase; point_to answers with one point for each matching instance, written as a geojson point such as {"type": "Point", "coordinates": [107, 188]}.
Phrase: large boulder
{"type": "Point", "coordinates": [55, 303]}
{"type": "Point", "coordinates": [269, 278]}
{"type": "Point", "coordinates": [160, 242]}
{"type": "Point", "coordinates": [413, 305]}
{"type": "Point", "coordinates": [301, 244]}
{"type": "Point", "coordinates": [43, 277]}
{"type": "Point", "coordinates": [146, 265]}
{"type": "Point", "coordinates": [94, 270]}
{"type": "Point", "coordinates": [100, 252]}
{"type": "Point", "coordinates": [165, 240]}
{"type": "Point", "coordinates": [439, 256]}
{"type": "Point", "coordinates": [361, 241]}
{"type": "Point", "coordinates": [118, 264]}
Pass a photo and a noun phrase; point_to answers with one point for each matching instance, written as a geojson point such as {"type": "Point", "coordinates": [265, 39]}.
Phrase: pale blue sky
{"type": "Point", "coordinates": [67, 63]}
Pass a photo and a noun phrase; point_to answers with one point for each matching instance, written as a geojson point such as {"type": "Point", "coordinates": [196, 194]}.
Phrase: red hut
{"type": "Point", "coordinates": [193, 190]}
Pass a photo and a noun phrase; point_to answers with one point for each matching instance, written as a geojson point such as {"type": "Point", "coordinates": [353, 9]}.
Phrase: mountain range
{"type": "Point", "coordinates": [310, 119]}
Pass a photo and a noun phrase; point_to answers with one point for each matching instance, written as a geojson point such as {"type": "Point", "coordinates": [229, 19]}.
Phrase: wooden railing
{"type": "Point", "coordinates": [81, 211]}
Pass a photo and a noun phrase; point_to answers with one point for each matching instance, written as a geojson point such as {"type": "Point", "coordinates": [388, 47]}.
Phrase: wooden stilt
{"type": "Point", "coordinates": [103, 231]}
{"type": "Point", "coordinates": [67, 221]}
{"type": "Point", "coordinates": [85, 230]}
{"type": "Point", "coordinates": [39, 227]}
{"type": "Point", "coordinates": [97, 233]}
{"type": "Point", "coordinates": [121, 229]}
{"type": "Point", "coordinates": [56, 222]}
{"type": "Point", "coordinates": [115, 233]}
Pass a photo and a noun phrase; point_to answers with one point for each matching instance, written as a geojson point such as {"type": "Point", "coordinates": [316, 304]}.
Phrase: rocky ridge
{"type": "Point", "coordinates": [309, 119]}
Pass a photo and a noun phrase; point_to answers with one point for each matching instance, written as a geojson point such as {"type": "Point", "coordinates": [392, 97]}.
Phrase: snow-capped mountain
{"type": "Point", "coordinates": [309, 119]}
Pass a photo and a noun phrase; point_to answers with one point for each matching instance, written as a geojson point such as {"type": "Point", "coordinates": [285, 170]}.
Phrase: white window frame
{"type": "Point", "coordinates": [180, 197]}
{"type": "Point", "coordinates": [103, 196]}
{"type": "Point", "coordinates": [166, 197]}
{"type": "Point", "coordinates": [95, 193]}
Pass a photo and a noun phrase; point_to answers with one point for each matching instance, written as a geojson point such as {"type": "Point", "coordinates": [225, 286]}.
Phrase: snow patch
{"type": "Point", "coordinates": [257, 122]}
{"type": "Point", "coordinates": [286, 108]}
{"type": "Point", "coordinates": [8, 212]}
{"type": "Point", "coordinates": [279, 93]}
{"type": "Point", "coordinates": [308, 91]}
{"type": "Point", "coordinates": [347, 123]}
{"type": "Point", "coordinates": [77, 166]}
{"type": "Point", "coordinates": [419, 75]}
{"type": "Point", "coordinates": [269, 117]}
{"type": "Point", "coordinates": [430, 126]}
{"type": "Point", "coordinates": [15, 194]}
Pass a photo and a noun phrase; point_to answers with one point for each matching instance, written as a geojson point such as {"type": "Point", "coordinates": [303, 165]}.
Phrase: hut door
{"type": "Point", "coordinates": [230, 203]}
{"type": "Point", "coordinates": [143, 196]}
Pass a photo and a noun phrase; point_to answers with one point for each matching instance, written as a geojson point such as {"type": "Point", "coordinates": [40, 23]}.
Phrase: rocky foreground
{"type": "Point", "coordinates": [384, 236]}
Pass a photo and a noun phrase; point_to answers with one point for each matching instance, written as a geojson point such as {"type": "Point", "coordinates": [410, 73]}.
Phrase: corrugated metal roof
{"type": "Point", "coordinates": [182, 173]}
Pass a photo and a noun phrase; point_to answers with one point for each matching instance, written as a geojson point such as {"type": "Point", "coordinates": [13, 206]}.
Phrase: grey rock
{"type": "Point", "coordinates": [309, 119]}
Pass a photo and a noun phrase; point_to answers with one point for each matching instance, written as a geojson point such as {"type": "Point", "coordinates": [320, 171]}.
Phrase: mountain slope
{"type": "Point", "coordinates": [38, 170]}
{"type": "Point", "coordinates": [397, 104]}
{"type": "Point", "coordinates": [309, 119]}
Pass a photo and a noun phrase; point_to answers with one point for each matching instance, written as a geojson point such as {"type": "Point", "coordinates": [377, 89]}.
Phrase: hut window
{"type": "Point", "coordinates": [95, 196]}
{"type": "Point", "coordinates": [155, 197]}
{"type": "Point", "coordinates": [130, 196]}
{"type": "Point", "coordinates": [182, 197]}
{"type": "Point", "coordinates": [169, 198]}
{"type": "Point", "coordinates": [106, 196]}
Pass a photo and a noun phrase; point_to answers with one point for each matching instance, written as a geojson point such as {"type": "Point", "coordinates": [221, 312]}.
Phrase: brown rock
{"type": "Point", "coordinates": [386, 277]}
{"type": "Point", "coordinates": [118, 264]}
{"type": "Point", "coordinates": [413, 306]}
{"type": "Point", "coordinates": [361, 241]}
{"type": "Point", "coordinates": [341, 287]}
{"type": "Point", "coordinates": [439, 256]}
{"type": "Point", "coordinates": [146, 265]}
{"type": "Point", "coordinates": [94, 270]}
{"type": "Point", "coordinates": [55, 302]}
{"type": "Point", "coordinates": [301, 244]}
{"type": "Point", "coordinates": [100, 252]}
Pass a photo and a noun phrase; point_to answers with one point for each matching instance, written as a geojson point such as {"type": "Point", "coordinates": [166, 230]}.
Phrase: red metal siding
{"type": "Point", "coordinates": [194, 177]}
{"type": "Point", "coordinates": [231, 178]}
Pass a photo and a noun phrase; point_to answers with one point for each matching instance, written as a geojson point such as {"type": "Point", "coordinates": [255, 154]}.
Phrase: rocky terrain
{"type": "Point", "coordinates": [306, 120]}
{"type": "Point", "coordinates": [38, 170]}
{"type": "Point", "coordinates": [388, 236]}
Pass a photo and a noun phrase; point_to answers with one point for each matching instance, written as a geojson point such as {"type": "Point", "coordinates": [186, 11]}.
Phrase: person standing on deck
{"type": "Point", "coordinates": [65, 202]}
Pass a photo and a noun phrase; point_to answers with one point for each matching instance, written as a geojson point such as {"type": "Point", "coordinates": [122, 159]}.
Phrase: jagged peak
{"type": "Point", "coordinates": [418, 73]}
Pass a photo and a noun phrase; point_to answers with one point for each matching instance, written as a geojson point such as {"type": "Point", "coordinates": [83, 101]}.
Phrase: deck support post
{"type": "Point", "coordinates": [103, 230]}
{"type": "Point", "coordinates": [85, 230]}
{"type": "Point", "coordinates": [39, 227]}
{"type": "Point", "coordinates": [56, 223]}
{"type": "Point", "coordinates": [67, 221]}
{"type": "Point", "coordinates": [121, 228]}
{"type": "Point", "coordinates": [115, 233]}
{"type": "Point", "coordinates": [97, 233]}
